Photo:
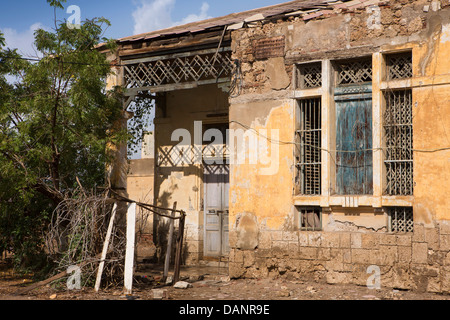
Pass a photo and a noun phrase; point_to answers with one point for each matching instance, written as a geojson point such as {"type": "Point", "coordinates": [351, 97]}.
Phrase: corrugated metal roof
{"type": "Point", "coordinates": [307, 9]}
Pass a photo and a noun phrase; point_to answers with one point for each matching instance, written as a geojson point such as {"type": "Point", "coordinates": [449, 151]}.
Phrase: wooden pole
{"type": "Point", "coordinates": [129, 254]}
{"type": "Point", "coordinates": [180, 238]}
{"type": "Point", "coordinates": [105, 249]}
{"type": "Point", "coordinates": [169, 244]}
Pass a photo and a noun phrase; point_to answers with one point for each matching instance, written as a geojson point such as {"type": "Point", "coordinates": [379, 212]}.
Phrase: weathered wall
{"type": "Point", "coordinates": [182, 183]}
{"type": "Point", "coordinates": [264, 237]}
{"type": "Point", "coordinates": [140, 187]}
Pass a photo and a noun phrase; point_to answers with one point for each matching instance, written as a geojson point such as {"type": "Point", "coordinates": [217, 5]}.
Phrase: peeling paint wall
{"type": "Point", "coordinates": [183, 183]}
{"type": "Point", "coordinates": [264, 206]}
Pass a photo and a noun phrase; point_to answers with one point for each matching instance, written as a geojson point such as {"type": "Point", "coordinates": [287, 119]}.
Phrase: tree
{"type": "Point", "coordinates": [55, 124]}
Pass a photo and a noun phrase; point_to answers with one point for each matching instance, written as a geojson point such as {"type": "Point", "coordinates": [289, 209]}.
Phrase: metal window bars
{"type": "Point", "coordinates": [401, 219]}
{"type": "Point", "coordinates": [399, 143]}
{"type": "Point", "coordinates": [309, 153]}
{"type": "Point", "coordinates": [310, 218]}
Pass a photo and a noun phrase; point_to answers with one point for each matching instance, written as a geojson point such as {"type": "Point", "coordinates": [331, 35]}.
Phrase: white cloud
{"type": "Point", "coordinates": [23, 41]}
{"type": "Point", "coordinates": [196, 17]}
{"type": "Point", "coordinates": [153, 15]}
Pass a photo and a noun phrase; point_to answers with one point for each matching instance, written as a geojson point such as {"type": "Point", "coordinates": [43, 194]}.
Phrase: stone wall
{"type": "Point", "coordinates": [418, 261]}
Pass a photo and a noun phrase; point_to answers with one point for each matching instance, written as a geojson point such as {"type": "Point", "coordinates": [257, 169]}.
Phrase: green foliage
{"type": "Point", "coordinates": [55, 124]}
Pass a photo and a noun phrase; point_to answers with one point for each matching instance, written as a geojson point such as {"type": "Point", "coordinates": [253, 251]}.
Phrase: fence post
{"type": "Point", "coordinates": [105, 248]}
{"type": "Point", "coordinates": [180, 238]}
{"type": "Point", "coordinates": [169, 244]}
{"type": "Point", "coordinates": [129, 255]}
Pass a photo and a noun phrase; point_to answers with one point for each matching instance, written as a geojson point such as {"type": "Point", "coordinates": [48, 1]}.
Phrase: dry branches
{"type": "Point", "coordinates": [77, 233]}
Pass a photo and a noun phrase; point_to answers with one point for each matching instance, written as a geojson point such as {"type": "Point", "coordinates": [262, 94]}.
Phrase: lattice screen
{"type": "Point", "coordinates": [401, 219]}
{"type": "Point", "coordinates": [309, 153]}
{"type": "Point", "coordinates": [180, 156]}
{"type": "Point", "coordinates": [354, 72]}
{"type": "Point", "coordinates": [178, 70]}
{"type": "Point", "coordinates": [399, 66]}
{"type": "Point", "coordinates": [309, 75]}
{"type": "Point", "coordinates": [399, 143]}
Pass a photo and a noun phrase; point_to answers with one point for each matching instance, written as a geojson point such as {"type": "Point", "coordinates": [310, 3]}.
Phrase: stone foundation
{"type": "Point", "coordinates": [418, 261]}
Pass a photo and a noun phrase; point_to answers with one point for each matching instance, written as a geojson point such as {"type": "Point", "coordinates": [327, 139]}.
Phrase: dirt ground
{"type": "Point", "coordinates": [208, 283]}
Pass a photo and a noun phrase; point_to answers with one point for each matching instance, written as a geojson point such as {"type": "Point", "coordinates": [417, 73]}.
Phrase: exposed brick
{"type": "Point", "coordinates": [303, 239]}
{"type": "Point", "coordinates": [249, 259]}
{"type": "Point", "coordinates": [331, 240]}
{"type": "Point", "coordinates": [235, 270]}
{"type": "Point", "coordinates": [444, 242]}
{"type": "Point", "coordinates": [419, 252]}
{"type": "Point", "coordinates": [334, 277]}
{"type": "Point", "coordinates": [290, 236]}
{"type": "Point", "coordinates": [388, 255]}
{"type": "Point", "coordinates": [444, 227]}
{"type": "Point", "coordinates": [324, 254]}
{"type": "Point", "coordinates": [370, 240]}
{"type": "Point", "coordinates": [314, 239]}
{"type": "Point", "coordinates": [361, 256]}
{"type": "Point", "coordinates": [232, 238]}
{"type": "Point", "coordinates": [308, 253]}
{"type": "Point", "coordinates": [334, 265]}
{"type": "Point", "coordinates": [265, 240]}
{"type": "Point", "coordinates": [347, 255]}
{"type": "Point", "coordinates": [388, 239]}
{"type": "Point", "coordinates": [276, 235]}
{"type": "Point", "coordinates": [419, 233]}
{"type": "Point", "coordinates": [432, 238]}
{"type": "Point", "coordinates": [336, 254]}
{"type": "Point", "coordinates": [356, 241]}
{"type": "Point", "coordinates": [345, 240]}
{"type": "Point", "coordinates": [404, 240]}
{"type": "Point", "coordinates": [404, 254]}
{"type": "Point", "coordinates": [445, 284]}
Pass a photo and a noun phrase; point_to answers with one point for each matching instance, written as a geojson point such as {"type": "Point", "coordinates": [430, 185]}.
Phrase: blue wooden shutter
{"type": "Point", "coordinates": [354, 156]}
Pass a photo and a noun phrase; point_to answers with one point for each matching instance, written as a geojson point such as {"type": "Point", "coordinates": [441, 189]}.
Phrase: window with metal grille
{"type": "Point", "coordinates": [401, 219]}
{"type": "Point", "coordinates": [310, 218]}
{"type": "Point", "coordinates": [354, 71]}
{"type": "Point", "coordinates": [309, 75]}
{"type": "Point", "coordinates": [309, 153]}
{"type": "Point", "coordinates": [399, 143]}
{"type": "Point", "coordinates": [399, 66]}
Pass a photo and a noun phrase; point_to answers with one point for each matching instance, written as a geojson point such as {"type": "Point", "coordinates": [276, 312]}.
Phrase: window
{"type": "Point", "coordinates": [399, 66]}
{"type": "Point", "coordinates": [310, 218]}
{"type": "Point", "coordinates": [401, 219]}
{"type": "Point", "coordinates": [353, 101]}
{"type": "Point", "coordinates": [309, 75]}
{"type": "Point", "coordinates": [309, 153]}
{"type": "Point", "coordinates": [398, 128]}
{"type": "Point", "coordinates": [399, 143]}
{"type": "Point", "coordinates": [354, 71]}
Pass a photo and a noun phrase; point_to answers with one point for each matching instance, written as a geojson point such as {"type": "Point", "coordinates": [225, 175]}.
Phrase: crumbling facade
{"type": "Point", "coordinates": [334, 160]}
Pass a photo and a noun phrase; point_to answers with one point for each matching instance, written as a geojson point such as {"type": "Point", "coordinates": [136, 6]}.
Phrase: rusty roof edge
{"type": "Point", "coordinates": [228, 20]}
{"type": "Point", "coordinates": [236, 19]}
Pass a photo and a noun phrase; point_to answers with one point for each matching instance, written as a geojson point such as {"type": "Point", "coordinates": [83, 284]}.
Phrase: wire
{"type": "Point", "coordinates": [67, 62]}
{"type": "Point", "coordinates": [280, 142]}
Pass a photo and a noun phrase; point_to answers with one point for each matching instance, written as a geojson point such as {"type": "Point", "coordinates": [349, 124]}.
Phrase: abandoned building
{"type": "Point", "coordinates": [309, 138]}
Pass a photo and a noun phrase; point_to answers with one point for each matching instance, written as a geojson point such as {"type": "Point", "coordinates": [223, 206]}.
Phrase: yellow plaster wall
{"type": "Point", "coordinates": [268, 197]}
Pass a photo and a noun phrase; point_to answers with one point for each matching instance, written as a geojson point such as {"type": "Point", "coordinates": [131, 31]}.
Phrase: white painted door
{"type": "Point", "coordinates": [217, 186]}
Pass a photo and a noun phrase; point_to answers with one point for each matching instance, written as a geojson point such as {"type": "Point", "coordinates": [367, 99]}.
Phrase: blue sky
{"type": "Point", "coordinates": [18, 19]}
